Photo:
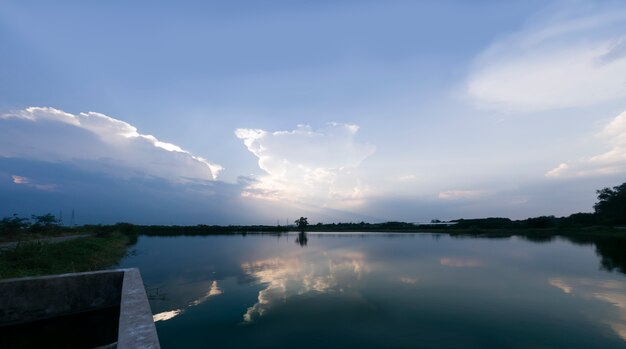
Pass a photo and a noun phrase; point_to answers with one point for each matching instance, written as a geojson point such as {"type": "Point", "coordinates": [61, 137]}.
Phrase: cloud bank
{"type": "Point", "coordinates": [566, 60]}
{"type": "Point", "coordinates": [99, 141]}
{"type": "Point", "coordinates": [38, 187]}
{"type": "Point", "coordinates": [306, 164]}
{"type": "Point", "coordinates": [109, 171]}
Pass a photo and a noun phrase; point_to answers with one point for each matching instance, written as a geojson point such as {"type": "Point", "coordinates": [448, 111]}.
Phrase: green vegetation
{"type": "Point", "coordinates": [83, 254]}
{"type": "Point", "coordinates": [17, 228]}
{"type": "Point", "coordinates": [611, 206]}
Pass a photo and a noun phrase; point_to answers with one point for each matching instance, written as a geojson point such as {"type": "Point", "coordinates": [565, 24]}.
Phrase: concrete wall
{"type": "Point", "coordinates": [36, 298]}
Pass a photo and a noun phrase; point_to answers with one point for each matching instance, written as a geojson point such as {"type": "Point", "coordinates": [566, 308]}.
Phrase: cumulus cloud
{"type": "Point", "coordinates": [610, 162]}
{"type": "Point", "coordinates": [567, 60]}
{"type": "Point", "coordinates": [306, 164]}
{"type": "Point", "coordinates": [102, 142]}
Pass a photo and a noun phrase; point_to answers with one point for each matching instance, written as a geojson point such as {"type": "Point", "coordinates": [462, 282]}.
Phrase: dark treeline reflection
{"type": "Point", "coordinates": [611, 250]}
{"type": "Point", "coordinates": [610, 244]}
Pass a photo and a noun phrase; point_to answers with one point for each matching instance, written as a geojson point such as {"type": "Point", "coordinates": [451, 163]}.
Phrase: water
{"type": "Point", "coordinates": [96, 328]}
{"type": "Point", "coordinates": [383, 291]}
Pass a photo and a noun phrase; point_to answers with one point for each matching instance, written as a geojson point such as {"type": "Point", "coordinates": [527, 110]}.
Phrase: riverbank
{"type": "Point", "coordinates": [84, 254]}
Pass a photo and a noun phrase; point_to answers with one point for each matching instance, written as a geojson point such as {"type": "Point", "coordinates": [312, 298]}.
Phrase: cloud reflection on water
{"type": "Point", "coordinates": [286, 277]}
{"type": "Point", "coordinates": [214, 290]}
{"type": "Point", "coordinates": [454, 262]}
{"type": "Point", "coordinates": [611, 291]}
{"type": "Point", "coordinates": [408, 280]}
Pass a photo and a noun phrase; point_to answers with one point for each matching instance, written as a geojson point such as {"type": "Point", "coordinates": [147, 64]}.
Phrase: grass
{"type": "Point", "coordinates": [28, 236]}
{"type": "Point", "coordinates": [83, 254]}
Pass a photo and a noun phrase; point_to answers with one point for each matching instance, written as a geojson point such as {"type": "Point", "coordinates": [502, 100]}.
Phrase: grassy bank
{"type": "Point", "coordinates": [84, 254]}
{"type": "Point", "coordinates": [29, 236]}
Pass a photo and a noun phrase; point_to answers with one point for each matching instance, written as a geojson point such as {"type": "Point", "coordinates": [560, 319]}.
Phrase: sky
{"type": "Point", "coordinates": [259, 112]}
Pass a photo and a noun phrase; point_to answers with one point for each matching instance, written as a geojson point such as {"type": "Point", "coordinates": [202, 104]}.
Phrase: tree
{"type": "Point", "coordinates": [611, 205]}
{"type": "Point", "coordinates": [301, 223]}
{"type": "Point", "coordinates": [13, 225]}
{"type": "Point", "coordinates": [45, 223]}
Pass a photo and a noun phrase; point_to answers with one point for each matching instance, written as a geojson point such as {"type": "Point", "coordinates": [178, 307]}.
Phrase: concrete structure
{"type": "Point", "coordinates": [33, 299]}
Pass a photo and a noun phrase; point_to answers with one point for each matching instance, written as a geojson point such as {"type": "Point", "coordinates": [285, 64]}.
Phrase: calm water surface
{"type": "Point", "coordinates": [382, 291]}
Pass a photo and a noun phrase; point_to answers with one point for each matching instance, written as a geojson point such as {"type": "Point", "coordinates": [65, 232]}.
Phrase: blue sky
{"type": "Point", "coordinates": [253, 112]}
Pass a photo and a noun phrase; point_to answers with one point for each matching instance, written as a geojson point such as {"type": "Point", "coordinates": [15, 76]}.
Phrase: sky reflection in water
{"type": "Point", "coordinates": [404, 291]}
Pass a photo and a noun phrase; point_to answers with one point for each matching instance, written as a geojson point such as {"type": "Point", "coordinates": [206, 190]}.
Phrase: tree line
{"type": "Point", "coordinates": [609, 210]}
{"type": "Point", "coordinates": [46, 223]}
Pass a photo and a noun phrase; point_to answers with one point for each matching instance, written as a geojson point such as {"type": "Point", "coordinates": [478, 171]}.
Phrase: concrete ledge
{"type": "Point", "coordinates": [136, 329]}
{"type": "Point", "coordinates": [31, 299]}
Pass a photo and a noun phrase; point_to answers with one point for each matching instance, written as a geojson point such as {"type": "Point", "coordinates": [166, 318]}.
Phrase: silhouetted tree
{"type": "Point", "coordinates": [13, 224]}
{"type": "Point", "coordinates": [301, 223]}
{"type": "Point", "coordinates": [611, 205]}
{"type": "Point", "coordinates": [579, 220]}
{"type": "Point", "coordinates": [45, 223]}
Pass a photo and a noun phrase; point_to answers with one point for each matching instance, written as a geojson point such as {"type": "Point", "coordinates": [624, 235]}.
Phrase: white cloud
{"type": "Point", "coordinates": [406, 178]}
{"type": "Point", "coordinates": [307, 164]}
{"type": "Point", "coordinates": [558, 62]}
{"type": "Point", "coordinates": [610, 162]}
{"type": "Point", "coordinates": [53, 135]}
{"type": "Point", "coordinates": [460, 194]}
{"type": "Point", "coordinates": [20, 180]}
{"type": "Point", "coordinates": [558, 171]}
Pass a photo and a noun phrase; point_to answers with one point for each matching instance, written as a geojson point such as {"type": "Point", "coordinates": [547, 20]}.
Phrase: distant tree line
{"type": "Point", "coordinates": [610, 210]}
{"type": "Point", "coordinates": [15, 225]}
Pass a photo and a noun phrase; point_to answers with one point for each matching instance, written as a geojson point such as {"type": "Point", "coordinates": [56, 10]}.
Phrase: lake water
{"type": "Point", "coordinates": [383, 291]}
